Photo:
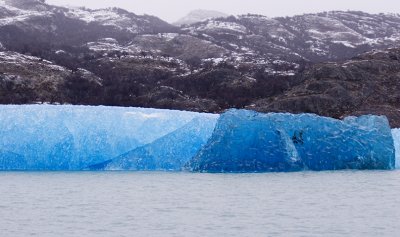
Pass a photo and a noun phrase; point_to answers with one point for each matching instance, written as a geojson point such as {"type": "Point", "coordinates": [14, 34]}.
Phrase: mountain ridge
{"type": "Point", "coordinates": [115, 57]}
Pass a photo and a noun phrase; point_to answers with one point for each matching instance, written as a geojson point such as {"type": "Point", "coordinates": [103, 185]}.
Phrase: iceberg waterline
{"type": "Point", "coordinates": [46, 137]}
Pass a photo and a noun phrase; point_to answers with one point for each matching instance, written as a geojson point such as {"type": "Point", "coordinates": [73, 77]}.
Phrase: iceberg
{"type": "Point", "coordinates": [247, 141]}
{"type": "Point", "coordinates": [48, 137]}
{"type": "Point", "coordinates": [169, 153]}
{"type": "Point", "coordinates": [396, 138]}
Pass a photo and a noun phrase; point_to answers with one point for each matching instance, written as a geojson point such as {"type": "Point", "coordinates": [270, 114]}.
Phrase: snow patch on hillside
{"type": "Point", "coordinates": [16, 15]}
{"type": "Point", "coordinates": [106, 44]}
{"type": "Point", "coordinates": [214, 25]}
{"type": "Point", "coordinates": [18, 59]}
{"type": "Point", "coordinates": [106, 17]}
{"type": "Point", "coordinates": [345, 43]}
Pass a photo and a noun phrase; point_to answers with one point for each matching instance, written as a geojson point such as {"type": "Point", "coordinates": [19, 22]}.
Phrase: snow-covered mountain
{"type": "Point", "coordinates": [35, 19]}
{"type": "Point", "coordinates": [199, 16]}
{"type": "Point", "coordinates": [279, 45]}
{"type": "Point", "coordinates": [115, 57]}
{"type": "Point", "coordinates": [312, 37]}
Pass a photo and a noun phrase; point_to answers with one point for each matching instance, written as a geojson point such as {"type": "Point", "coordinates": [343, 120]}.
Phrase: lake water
{"type": "Point", "coordinates": [360, 203]}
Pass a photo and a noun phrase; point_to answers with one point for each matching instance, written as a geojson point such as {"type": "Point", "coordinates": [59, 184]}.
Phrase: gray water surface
{"type": "Point", "coordinates": [362, 203]}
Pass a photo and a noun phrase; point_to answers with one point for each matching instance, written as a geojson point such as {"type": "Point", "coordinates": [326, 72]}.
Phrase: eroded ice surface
{"type": "Point", "coordinates": [396, 137]}
{"type": "Point", "coordinates": [46, 137]}
{"type": "Point", "coordinates": [246, 141]}
{"type": "Point", "coordinates": [170, 152]}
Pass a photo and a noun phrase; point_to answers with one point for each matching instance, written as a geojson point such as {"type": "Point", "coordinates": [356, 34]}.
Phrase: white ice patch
{"type": "Point", "coordinates": [146, 115]}
{"type": "Point", "coordinates": [396, 138]}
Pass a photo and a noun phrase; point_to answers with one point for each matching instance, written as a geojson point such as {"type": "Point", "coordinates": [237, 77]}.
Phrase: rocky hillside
{"type": "Point", "coordinates": [308, 63]}
{"type": "Point", "coordinates": [366, 84]}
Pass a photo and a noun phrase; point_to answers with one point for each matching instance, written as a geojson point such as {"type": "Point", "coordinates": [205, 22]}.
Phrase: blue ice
{"type": "Point", "coordinates": [47, 137]}
{"type": "Point", "coordinates": [247, 141]}
{"type": "Point", "coordinates": [396, 138]}
{"type": "Point", "coordinates": [168, 153]}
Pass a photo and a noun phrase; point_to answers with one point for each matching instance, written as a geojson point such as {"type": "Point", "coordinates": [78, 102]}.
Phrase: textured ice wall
{"type": "Point", "coordinates": [396, 138]}
{"type": "Point", "coordinates": [169, 153]}
{"type": "Point", "coordinates": [46, 137]}
{"type": "Point", "coordinates": [246, 141]}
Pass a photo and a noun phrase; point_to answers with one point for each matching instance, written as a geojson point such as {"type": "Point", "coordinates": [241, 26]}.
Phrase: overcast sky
{"type": "Point", "coordinates": [172, 10]}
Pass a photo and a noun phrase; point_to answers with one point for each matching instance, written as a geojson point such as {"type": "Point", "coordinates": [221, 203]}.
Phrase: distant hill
{"type": "Point", "coordinates": [199, 16]}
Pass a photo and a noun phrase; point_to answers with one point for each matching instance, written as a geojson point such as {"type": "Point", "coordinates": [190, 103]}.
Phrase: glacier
{"type": "Point", "coordinates": [49, 137]}
{"type": "Point", "coordinates": [247, 141]}
{"type": "Point", "coordinates": [396, 138]}
{"type": "Point", "coordinates": [168, 153]}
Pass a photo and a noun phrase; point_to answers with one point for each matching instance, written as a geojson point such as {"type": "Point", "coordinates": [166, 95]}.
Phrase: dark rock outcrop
{"type": "Point", "coordinates": [367, 84]}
